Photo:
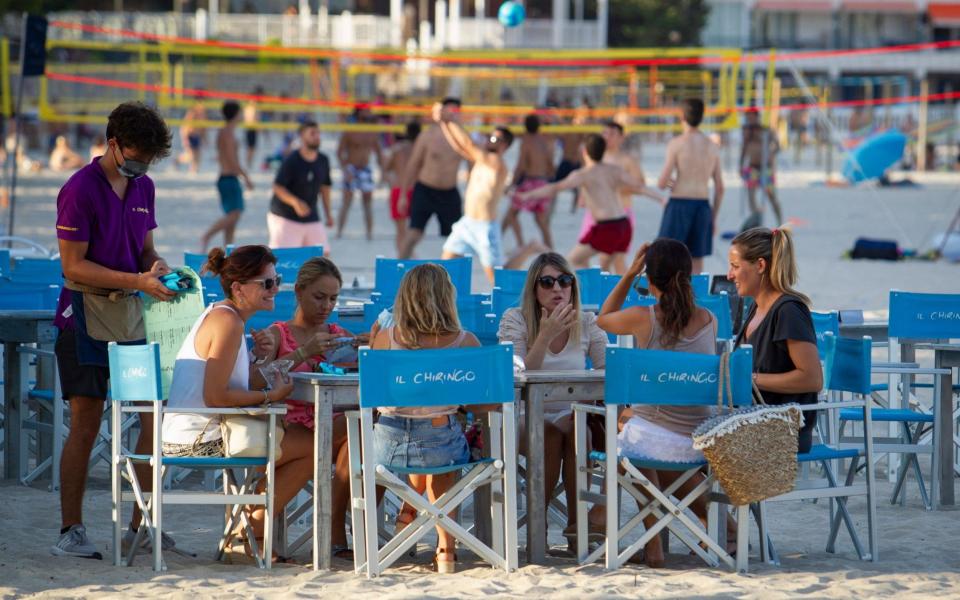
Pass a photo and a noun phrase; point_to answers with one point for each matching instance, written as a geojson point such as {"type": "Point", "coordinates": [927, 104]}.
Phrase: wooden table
{"type": "Point", "coordinates": [540, 387]}
{"type": "Point", "coordinates": [19, 327]}
{"type": "Point", "coordinates": [945, 356]}
{"type": "Point", "coordinates": [326, 392]}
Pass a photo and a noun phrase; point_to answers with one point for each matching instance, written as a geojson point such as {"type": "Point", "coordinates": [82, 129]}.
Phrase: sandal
{"type": "Point", "coordinates": [596, 534]}
{"type": "Point", "coordinates": [445, 566]}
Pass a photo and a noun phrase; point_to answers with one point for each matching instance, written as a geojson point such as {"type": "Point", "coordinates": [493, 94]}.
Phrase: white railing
{"type": "Point", "coordinates": [340, 31]}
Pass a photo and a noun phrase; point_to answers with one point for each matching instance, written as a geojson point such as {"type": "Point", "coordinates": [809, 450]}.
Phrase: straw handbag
{"type": "Point", "coordinates": [752, 450]}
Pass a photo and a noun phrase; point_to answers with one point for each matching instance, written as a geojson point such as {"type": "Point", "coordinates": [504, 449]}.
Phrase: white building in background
{"type": "Point", "coordinates": [828, 24]}
{"type": "Point", "coordinates": [363, 24]}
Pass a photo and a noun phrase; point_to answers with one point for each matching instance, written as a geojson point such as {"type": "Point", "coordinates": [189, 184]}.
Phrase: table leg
{"type": "Point", "coordinates": [323, 485]}
{"type": "Point", "coordinates": [536, 503]}
{"type": "Point", "coordinates": [945, 390]}
{"type": "Point", "coordinates": [481, 496]}
{"type": "Point", "coordinates": [316, 477]}
{"type": "Point", "coordinates": [11, 411]}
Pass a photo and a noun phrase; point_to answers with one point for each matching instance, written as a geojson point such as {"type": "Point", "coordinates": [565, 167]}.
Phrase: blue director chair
{"type": "Point", "coordinates": [913, 319]}
{"type": "Point", "coordinates": [649, 377]}
{"type": "Point", "coordinates": [847, 371]}
{"type": "Point", "coordinates": [136, 386]}
{"type": "Point", "coordinates": [467, 376]}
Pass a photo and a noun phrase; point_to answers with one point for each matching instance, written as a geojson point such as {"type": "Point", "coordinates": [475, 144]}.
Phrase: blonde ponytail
{"type": "Point", "coordinates": [776, 247]}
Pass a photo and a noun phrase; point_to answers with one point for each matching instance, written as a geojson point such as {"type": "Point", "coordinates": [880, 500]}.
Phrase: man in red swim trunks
{"type": "Point", "coordinates": [598, 185]}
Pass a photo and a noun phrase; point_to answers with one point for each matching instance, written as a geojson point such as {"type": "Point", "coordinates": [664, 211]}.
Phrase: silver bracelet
{"type": "Point", "coordinates": [266, 396]}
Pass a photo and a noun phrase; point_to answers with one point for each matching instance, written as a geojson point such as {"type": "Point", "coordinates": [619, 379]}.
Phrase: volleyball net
{"type": "Point", "coordinates": [89, 72]}
{"type": "Point", "coordinates": [91, 69]}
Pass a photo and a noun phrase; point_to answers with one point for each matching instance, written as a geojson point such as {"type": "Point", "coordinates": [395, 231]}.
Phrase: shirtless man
{"type": "Point", "coordinates": [758, 158]}
{"type": "Point", "coordinates": [231, 193]}
{"type": "Point", "coordinates": [396, 165]}
{"type": "Point", "coordinates": [476, 232]}
{"type": "Point", "coordinates": [615, 155]}
{"type": "Point", "coordinates": [598, 184]}
{"type": "Point", "coordinates": [63, 157]}
{"type": "Point", "coordinates": [353, 152]}
{"type": "Point", "coordinates": [250, 119]}
{"type": "Point", "coordinates": [692, 161]}
{"type": "Point", "coordinates": [432, 173]}
{"type": "Point", "coordinates": [534, 169]}
{"type": "Point", "coordinates": [192, 136]}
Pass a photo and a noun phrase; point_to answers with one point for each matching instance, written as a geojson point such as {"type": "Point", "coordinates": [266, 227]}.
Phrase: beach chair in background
{"type": "Point", "coordinates": [289, 260]}
{"type": "Point", "coordinates": [644, 377]}
{"type": "Point", "coordinates": [591, 286]}
{"type": "Point", "coordinates": [42, 408]}
{"type": "Point", "coordinates": [37, 270]}
{"type": "Point", "coordinates": [915, 431]}
{"type": "Point", "coordinates": [508, 288]}
{"type": "Point", "coordinates": [389, 271]}
{"type": "Point", "coordinates": [135, 386]}
{"type": "Point", "coordinates": [701, 284]}
{"type": "Point", "coordinates": [4, 263]}
{"type": "Point", "coordinates": [847, 371]}
{"type": "Point", "coordinates": [209, 282]}
{"type": "Point", "coordinates": [469, 376]}
{"type": "Point", "coordinates": [719, 306]}
{"type": "Point", "coordinates": [824, 323]}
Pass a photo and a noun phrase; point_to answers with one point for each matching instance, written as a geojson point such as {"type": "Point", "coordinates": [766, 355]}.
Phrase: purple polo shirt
{"type": "Point", "coordinates": [115, 229]}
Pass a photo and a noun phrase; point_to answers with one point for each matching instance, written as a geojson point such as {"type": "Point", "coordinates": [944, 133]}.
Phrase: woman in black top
{"type": "Point", "coordinates": [786, 367]}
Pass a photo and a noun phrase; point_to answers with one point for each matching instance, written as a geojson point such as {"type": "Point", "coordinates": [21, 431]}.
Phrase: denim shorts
{"type": "Point", "coordinates": [403, 442]}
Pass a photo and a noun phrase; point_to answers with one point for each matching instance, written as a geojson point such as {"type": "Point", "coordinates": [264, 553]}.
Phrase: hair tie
{"type": "Point", "coordinates": [775, 231]}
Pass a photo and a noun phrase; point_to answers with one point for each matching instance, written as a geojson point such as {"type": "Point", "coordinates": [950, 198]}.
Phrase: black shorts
{"type": "Point", "coordinates": [89, 381]}
{"type": "Point", "coordinates": [428, 201]}
{"type": "Point", "coordinates": [251, 135]}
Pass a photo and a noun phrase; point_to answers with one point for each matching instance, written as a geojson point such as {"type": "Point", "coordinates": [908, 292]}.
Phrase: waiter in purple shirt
{"type": "Point", "coordinates": [105, 223]}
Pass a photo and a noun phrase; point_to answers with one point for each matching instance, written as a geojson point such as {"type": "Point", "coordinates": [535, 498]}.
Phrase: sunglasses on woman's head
{"type": "Point", "coordinates": [547, 281]}
{"type": "Point", "coordinates": [267, 283]}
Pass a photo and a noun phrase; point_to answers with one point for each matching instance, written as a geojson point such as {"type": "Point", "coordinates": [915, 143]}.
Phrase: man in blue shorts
{"type": "Point", "coordinates": [105, 221]}
{"type": "Point", "coordinates": [692, 161]}
{"type": "Point", "coordinates": [228, 184]}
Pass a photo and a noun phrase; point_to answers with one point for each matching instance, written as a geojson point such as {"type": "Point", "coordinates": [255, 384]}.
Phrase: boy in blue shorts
{"type": "Point", "coordinates": [692, 161]}
{"type": "Point", "coordinates": [477, 231]}
{"type": "Point", "coordinates": [228, 184]}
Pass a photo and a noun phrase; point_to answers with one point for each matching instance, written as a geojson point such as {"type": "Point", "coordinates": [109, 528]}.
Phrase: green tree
{"type": "Point", "coordinates": [647, 23]}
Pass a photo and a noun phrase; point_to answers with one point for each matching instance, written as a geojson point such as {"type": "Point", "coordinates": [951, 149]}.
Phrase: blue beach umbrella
{"type": "Point", "coordinates": [874, 156]}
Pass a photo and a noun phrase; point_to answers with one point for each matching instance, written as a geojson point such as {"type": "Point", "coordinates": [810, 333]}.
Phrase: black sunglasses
{"type": "Point", "coordinates": [546, 282]}
{"type": "Point", "coordinates": [267, 283]}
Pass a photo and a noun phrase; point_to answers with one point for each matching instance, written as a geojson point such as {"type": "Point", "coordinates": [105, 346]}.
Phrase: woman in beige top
{"type": "Point", "coordinates": [550, 332]}
{"type": "Point", "coordinates": [425, 317]}
{"type": "Point", "coordinates": [675, 323]}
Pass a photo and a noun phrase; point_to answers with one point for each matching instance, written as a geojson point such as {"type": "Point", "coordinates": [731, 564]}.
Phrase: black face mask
{"type": "Point", "coordinates": [131, 169]}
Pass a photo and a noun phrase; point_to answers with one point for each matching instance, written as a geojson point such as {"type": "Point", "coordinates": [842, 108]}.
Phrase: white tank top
{"type": "Point", "coordinates": [186, 390]}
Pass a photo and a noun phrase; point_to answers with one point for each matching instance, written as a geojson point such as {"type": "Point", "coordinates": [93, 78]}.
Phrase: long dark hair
{"type": "Point", "coordinates": [669, 267]}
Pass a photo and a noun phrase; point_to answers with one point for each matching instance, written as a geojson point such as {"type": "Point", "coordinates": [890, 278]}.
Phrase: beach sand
{"type": "Point", "coordinates": [917, 548]}
{"type": "Point", "coordinates": [917, 560]}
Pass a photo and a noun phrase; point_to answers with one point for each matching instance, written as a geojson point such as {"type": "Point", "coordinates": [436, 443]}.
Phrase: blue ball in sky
{"type": "Point", "coordinates": [511, 13]}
